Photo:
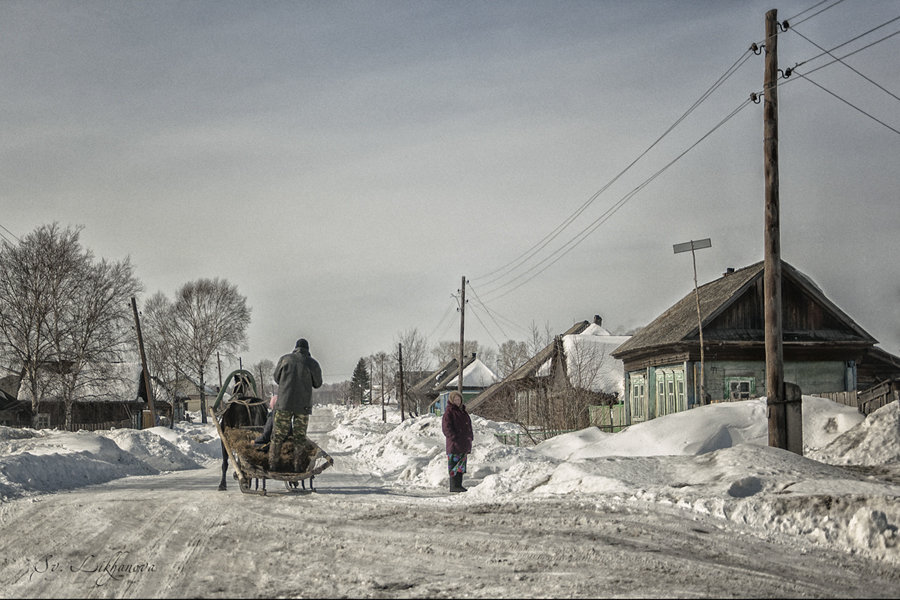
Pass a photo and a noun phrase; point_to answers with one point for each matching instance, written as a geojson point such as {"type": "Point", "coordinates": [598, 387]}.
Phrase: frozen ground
{"type": "Point", "coordinates": [690, 505]}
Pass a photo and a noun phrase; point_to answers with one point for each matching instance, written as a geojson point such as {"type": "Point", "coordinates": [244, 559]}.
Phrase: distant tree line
{"type": "Point", "coordinates": [66, 320]}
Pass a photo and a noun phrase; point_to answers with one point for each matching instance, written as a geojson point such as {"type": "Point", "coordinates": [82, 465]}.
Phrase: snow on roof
{"type": "Point", "coordinates": [589, 360]}
{"type": "Point", "coordinates": [476, 374]}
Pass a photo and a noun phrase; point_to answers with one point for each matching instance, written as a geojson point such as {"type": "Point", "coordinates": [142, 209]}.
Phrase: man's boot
{"type": "Point", "coordinates": [274, 456]}
{"type": "Point", "coordinates": [301, 459]}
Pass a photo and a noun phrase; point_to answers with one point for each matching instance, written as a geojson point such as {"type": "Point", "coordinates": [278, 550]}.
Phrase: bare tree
{"type": "Point", "coordinates": [263, 372]}
{"type": "Point", "coordinates": [539, 339]}
{"type": "Point", "coordinates": [511, 356]}
{"type": "Point", "coordinates": [206, 317]}
{"type": "Point", "coordinates": [446, 351]}
{"type": "Point", "coordinates": [64, 317]}
{"type": "Point", "coordinates": [385, 384]}
{"type": "Point", "coordinates": [415, 350]}
{"type": "Point", "coordinates": [159, 342]}
{"type": "Point", "coordinates": [93, 330]}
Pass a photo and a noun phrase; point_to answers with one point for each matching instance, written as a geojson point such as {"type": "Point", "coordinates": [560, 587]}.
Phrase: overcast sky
{"type": "Point", "coordinates": [345, 164]}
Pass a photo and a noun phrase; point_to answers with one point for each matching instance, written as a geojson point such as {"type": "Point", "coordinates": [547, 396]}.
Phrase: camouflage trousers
{"type": "Point", "coordinates": [290, 425]}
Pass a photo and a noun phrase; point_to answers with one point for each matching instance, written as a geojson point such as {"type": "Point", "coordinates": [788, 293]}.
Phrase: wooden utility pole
{"type": "Point", "coordinates": [383, 413]}
{"type": "Point", "coordinates": [400, 360]}
{"type": "Point", "coordinates": [775, 397]}
{"type": "Point", "coordinates": [462, 332]}
{"type": "Point", "coordinates": [144, 371]}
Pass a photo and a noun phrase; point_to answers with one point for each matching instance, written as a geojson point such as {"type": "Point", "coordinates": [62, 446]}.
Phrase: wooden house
{"type": "Point", "coordinates": [429, 391]}
{"type": "Point", "coordinates": [563, 386]}
{"type": "Point", "coordinates": [13, 412]}
{"type": "Point", "coordinates": [476, 378]}
{"type": "Point", "coordinates": [823, 348]}
{"type": "Point", "coordinates": [111, 400]}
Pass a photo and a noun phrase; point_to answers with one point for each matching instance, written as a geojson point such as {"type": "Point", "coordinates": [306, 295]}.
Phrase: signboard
{"type": "Point", "coordinates": [692, 245]}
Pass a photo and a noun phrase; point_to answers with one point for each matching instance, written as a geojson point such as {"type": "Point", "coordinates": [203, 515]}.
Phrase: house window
{"type": "Point", "coordinates": [740, 388]}
{"type": "Point", "coordinates": [42, 421]}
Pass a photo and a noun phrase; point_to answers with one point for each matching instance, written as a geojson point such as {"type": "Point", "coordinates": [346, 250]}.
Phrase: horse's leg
{"type": "Point", "coordinates": [222, 486]}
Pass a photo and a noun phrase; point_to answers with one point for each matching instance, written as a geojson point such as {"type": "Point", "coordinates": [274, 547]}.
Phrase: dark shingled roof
{"type": "Point", "coordinates": [679, 322]}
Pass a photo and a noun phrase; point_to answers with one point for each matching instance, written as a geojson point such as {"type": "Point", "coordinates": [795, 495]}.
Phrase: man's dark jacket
{"type": "Point", "coordinates": [457, 428]}
{"type": "Point", "coordinates": [297, 374]}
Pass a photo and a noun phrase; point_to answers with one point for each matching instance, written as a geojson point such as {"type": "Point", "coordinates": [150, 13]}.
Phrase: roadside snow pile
{"type": "Point", "coordinates": [714, 460]}
{"type": "Point", "coordinates": [49, 460]}
{"type": "Point", "coordinates": [874, 441]}
{"type": "Point", "coordinates": [358, 427]}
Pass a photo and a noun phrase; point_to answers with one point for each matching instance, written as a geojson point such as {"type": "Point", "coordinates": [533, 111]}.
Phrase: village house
{"type": "Point", "coordinates": [571, 383]}
{"type": "Point", "coordinates": [824, 350]}
{"type": "Point", "coordinates": [107, 399]}
{"type": "Point", "coordinates": [430, 392]}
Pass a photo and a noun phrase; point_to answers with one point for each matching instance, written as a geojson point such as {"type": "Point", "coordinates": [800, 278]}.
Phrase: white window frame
{"type": "Point", "coordinates": [731, 382]}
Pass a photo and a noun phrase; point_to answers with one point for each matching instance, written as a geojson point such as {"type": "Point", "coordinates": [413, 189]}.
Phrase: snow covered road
{"type": "Point", "coordinates": [174, 535]}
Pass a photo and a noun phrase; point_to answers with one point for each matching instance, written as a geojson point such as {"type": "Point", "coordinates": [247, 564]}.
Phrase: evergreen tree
{"type": "Point", "coordinates": [359, 383]}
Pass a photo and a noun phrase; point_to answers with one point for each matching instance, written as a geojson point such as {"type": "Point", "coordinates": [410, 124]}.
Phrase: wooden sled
{"type": "Point", "coordinates": [250, 462]}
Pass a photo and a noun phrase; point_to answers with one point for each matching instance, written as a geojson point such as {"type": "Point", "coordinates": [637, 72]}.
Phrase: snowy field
{"type": "Point", "coordinates": [689, 505]}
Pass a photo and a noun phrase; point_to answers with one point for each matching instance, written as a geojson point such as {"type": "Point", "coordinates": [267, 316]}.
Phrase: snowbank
{"type": "Point", "coordinates": [713, 460]}
{"type": "Point", "coordinates": [48, 460]}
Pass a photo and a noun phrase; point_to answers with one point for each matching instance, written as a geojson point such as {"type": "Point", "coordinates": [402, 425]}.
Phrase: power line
{"type": "Point", "coordinates": [486, 310]}
{"type": "Point", "coordinates": [849, 103]}
{"type": "Point", "coordinates": [474, 312]}
{"type": "Point", "coordinates": [876, 84]}
{"type": "Point", "coordinates": [791, 70]}
{"type": "Point", "coordinates": [10, 233]}
{"type": "Point", "coordinates": [511, 266]}
{"type": "Point", "coordinates": [447, 312]}
{"type": "Point", "coordinates": [813, 15]}
{"type": "Point", "coordinates": [851, 40]}
{"type": "Point", "coordinates": [584, 233]}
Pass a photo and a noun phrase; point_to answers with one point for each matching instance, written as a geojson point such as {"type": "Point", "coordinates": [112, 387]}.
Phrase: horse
{"type": "Point", "coordinates": [243, 409]}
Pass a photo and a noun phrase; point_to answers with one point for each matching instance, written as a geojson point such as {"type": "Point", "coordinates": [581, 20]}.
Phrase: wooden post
{"type": "Point", "coordinates": [692, 246]}
{"type": "Point", "coordinates": [462, 332]}
{"type": "Point", "coordinates": [400, 399]}
{"type": "Point", "coordinates": [383, 413]}
{"type": "Point", "coordinates": [262, 386]}
{"type": "Point", "coordinates": [144, 372]}
{"type": "Point", "coordinates": [775, 396]}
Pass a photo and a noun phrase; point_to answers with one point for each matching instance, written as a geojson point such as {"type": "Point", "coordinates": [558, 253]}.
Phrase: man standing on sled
{"type": "Point", "coordinates": [296, 374]}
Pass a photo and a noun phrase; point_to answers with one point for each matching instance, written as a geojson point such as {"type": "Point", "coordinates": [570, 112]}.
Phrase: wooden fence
{"type": "Point", "coordinates": [845, 398]}
{"type": "Point", "coordinates": [123, 424]}
{"type": "Point", "coordinates": [877, 396]}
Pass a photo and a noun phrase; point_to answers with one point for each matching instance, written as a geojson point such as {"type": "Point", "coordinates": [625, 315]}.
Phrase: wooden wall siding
{"type": "Point", "coordinates": [87, 412]}
{"type": "Point", "coordinates": [812, 376]}
{"type": "Point", "coordinates": [803, 319]}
